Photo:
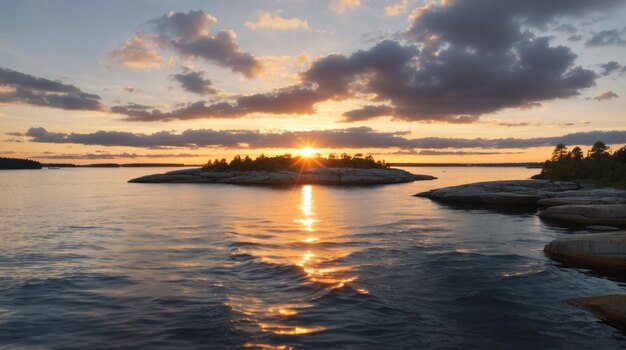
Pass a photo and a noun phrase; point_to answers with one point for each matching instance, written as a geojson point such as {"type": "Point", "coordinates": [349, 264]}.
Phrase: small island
{"type": "Point", "coordinates": [344, 170]}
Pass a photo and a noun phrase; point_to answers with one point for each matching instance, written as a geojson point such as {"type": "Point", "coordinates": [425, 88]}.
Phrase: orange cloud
{"type": "Point", "coordinates": [341, 6]}
{"type": "Point", "coordinates": [397, 9]}
{"type": "Point", "coordinates": [138, 52]}
{"type": "Point", "coordinates": [267, 21]}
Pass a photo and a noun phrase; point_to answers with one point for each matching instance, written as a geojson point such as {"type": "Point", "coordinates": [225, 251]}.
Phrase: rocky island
{"type": "Point", "coordinates": [287, 170]}
{"type": "Point", "coordinates": [322, 176]}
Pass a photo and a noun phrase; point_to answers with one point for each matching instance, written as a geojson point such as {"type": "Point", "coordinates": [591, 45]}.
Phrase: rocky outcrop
{"type": "Point", "coordinates": [517, 192]}
{"type": "Point", "coordinates": [589, 214]}
{"type": "Point", "coordinates": [609, 308]}
{"type": "Point", "coordinates": [326, 176]}
{"type": "Point", "coordinates": [598, 250]}
{"type": "Point", "coordinates": [542, 193]}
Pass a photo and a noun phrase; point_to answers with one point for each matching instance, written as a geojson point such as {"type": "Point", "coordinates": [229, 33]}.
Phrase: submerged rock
{"type": "Point", "coordinates": [598, 250]}
{"type": "Point", "coordinates": [609, 308]}
{"type": "Point", "coordinates": [326, 176]}
{"type": "Point", "coordinates": [589, 214]}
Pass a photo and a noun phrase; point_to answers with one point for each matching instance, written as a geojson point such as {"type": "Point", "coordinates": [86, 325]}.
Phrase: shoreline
{"type": "Point", "coordinates": [597, 209]}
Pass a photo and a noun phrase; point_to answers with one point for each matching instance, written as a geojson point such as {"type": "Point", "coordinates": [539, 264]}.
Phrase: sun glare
{"type": "Point", "coordinates": [307, 152]}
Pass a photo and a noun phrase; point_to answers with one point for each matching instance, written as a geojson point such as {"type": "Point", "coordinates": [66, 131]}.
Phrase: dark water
{"type": "Point", "coordinates": [90, 261]}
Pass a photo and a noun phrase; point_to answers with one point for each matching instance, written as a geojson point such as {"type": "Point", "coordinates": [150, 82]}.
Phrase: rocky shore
{"type": "Point", "coordinates": [593, 208]}
{"type": "Point", "coordinates": [323, 176]}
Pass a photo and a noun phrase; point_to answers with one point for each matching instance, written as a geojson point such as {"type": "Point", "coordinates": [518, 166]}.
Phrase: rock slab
{"type": "Point", "coordinates": [588, 214]}
{"type": "Point", "coordinates": [516, 192]}
{"type": "Point", "coordinates": [325, 176]}
{"type": "Point", "coordinates": [598, 250]}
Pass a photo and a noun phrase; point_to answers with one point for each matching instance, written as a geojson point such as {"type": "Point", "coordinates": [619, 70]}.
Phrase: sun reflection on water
{"type": "Point", "coordinates": [311, 248]}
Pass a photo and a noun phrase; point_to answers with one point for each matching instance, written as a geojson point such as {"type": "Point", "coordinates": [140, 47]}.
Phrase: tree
{"type": "Point", "coordinates": [560, 152]}
{"type": "Point", "coordinates": [598, 151]}
{"type": "Point", "coordinates": [576, 153]}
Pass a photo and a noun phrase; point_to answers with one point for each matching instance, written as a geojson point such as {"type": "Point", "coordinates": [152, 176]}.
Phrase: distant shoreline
{"type": "Point", "coordinates": [533, 165]}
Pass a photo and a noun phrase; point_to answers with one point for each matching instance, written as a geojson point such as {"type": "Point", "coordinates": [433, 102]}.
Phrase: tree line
{"type": "Point", "coordinates": [16, 163]}
{"type": "Point", "coordinates": [599, 164]}
{"type": "Point", "coordinates": [297, 163]}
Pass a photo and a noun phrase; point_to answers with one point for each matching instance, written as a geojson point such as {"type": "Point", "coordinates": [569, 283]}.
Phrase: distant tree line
{"type": "Point", "coordinates": [599, 164]}
{"type": "Point", "coordinates": [15, 163]}
{"type": "Point", "coordinates": [297, 163]}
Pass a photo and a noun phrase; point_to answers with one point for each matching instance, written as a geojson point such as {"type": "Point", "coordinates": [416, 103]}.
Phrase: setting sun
{"type": "Point", "coordinates": [307, 152]}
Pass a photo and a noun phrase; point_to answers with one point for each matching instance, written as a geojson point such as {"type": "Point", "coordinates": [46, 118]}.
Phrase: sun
{"type": "Point", "coordinates": [307, 152]}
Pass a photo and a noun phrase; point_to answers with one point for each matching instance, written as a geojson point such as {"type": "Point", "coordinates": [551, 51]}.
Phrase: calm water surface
{"type": "Point", "coordinates": [90, 261]}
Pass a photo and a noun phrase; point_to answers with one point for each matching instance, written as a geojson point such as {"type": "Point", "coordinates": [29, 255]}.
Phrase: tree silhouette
{"type": "Point", "coordinates": [599, 166]}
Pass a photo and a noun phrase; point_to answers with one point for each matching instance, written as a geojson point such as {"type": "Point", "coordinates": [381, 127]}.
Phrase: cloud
{"type": "Point", "coordinates": [267, 21]}
{"type": "Point", "coordinates": [448, 69]}
{"type": "Point", "coordinates": [607, 38]}
{"type": "Point", "coordinates": [194, 82]}
{"type": "Point", "coordinates": [21, 88]}
{"type": "Point", "coordinates": [348, 138]}
{"type": "Point", "coordinates": [606, 95]}
{"type": "Point", "coordinates": [104, 155]}
{"type": "Point", "coordinates": [187, 34]}
{"type": "Point", "coordinates": [610, 67]}
{"type": "Point", "coordinates": [575, 38]}
{"type": "Point", "coordinates": [129, 89]}
{"type": "Point", "coordinates": [566, 28]}
{"type": "Point", "coordinates": [397, 9]}
{"type": "Point", "coordinates": [429, 152]}
{"type": "Point", "coordinates": [289, 100]}
{"type": "Point", "coordinates": [138, 52]}
{"type": "Point", "coordinates": [470, 58]}
{"type": "Point", "coordinates": [367, 112]}
{"type": "Point", "coordinates": [342, 6]}
{"type": "Point", "coordinates": [184, 26]}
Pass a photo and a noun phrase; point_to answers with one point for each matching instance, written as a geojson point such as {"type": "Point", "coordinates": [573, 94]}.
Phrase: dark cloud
{"type": "Point", "coordinates": [289, 100]}
{"type": "Point", "coordinates": [606, 95]}
{"type": "Point", "coordinates": [367, 112]}
{"type": "Point", "coordinates": [430, 152]}
{"type": "Point", "coordinates": [476, 57]}
{"type": "Point", "coordinates": [575, 38]}
{"type": "Point", "coordinates": [187, 34]}
{"type": "Point", "coordinates": [100, 155]}
{"type": "Point", "coordinates": [608, 38]}
{"type": "Point", "coordinates": [456, 85]}
{"type": "Point", "coordinates": [221, 49]}
{"type": "Point", "coordinates": [459, 60]}
{"type": "Point", "coordinates": [495, 25]}
{"type": "Point", "coordinates": [184, 26]}
{"type": "Point", "coordinates": [21, 88]}
{"type": "Point", "coordinates": [610, 67]}
{"type": "Point", "coordinates": [352, 138]}
{"type": "Point", "coordinates": [194, 82]}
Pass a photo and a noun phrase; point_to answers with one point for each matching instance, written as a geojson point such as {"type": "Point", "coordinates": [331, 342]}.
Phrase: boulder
{"type": "Point", "coordinates": [588, 214]}
{"type": "Point", "coordinates": [598, 250]}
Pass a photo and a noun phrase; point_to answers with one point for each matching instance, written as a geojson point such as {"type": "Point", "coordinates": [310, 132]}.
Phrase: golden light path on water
{"type": "Point", "coordinates": [307, 248]}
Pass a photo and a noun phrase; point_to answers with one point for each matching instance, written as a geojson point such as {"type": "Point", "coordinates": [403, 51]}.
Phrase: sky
{"type": "Point", "coordinates": [85, 81]}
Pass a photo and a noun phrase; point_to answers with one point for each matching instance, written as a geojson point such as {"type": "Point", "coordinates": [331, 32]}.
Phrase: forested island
{"type": "Point", "coordinates": [288, 170]}
{"type": "Point", "coordinates": [289, 162]}
{"type": "Point", "coordinates": [16, 163]}
{"type": "Point", "coordinates": [599, 165]}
